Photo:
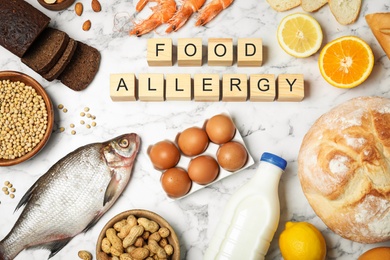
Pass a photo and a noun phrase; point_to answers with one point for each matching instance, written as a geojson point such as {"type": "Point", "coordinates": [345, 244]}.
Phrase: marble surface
{"type": "Point", "coordinates": [275, 127]}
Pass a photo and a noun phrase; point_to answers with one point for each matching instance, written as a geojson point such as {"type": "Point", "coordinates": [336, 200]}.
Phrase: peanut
{"type": "Point", "coordinates": [168, 249]}
{"type": "Point", "coordinates": [132, 220]}
{"type": "Point", "coordinates": [85, 255]}
{"type": "Point", "coordinates": [140, 253]}
{"type": "Point", "coordinates": [135, 232]}
{"type": "Point", "coordinates": [116, 242]}
{"type": "Point", "coordinates": [149, 225]}
{"type": "Point", "coordinates": [106, 245]}
{"type": "Point", "coordinates": [155, 248]}
{"type": "Point", "coordinates": [139, 242]}
{"type": "Point", "coordinates": [155, 236]}
{"type": "Point", "coordinates": [120, 224]}
{"type": "Point", "coordinates": [125, 256]}
{"type": "Point", "coordinates": [124, 231]}
{"type": "Point", "coordinates": [164, 232]}
{"type": "Point", "coordinates": [163, 242]}
{"type": "Point", "coordinates": [103, 256]}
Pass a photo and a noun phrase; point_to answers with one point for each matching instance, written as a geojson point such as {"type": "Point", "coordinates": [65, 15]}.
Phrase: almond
{"type": "Point", "coordinates": [95, 4]}
{"type": "Point", "coordinates": [87, 25]}
{"type": "Point", "coordinates": [78, 8]}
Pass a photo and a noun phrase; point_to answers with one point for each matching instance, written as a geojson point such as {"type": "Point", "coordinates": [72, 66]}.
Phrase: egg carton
{"type": "Point", "coordinates": [211, 151]}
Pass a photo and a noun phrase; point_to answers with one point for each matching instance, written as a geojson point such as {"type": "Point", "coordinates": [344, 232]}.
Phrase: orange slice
{"type": "Point", "coordinates": [346, 62]}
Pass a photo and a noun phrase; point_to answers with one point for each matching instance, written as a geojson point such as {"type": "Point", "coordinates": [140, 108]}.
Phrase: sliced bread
{"type": "Point", "coordinates": [380, 26]}
{"type": "Point", "coordinates": [46, 50]}
{"type": "Point", "coordinates": [64, 60]}
{"type": "Point", "coordinates": [345, 11]}
{"type": "Point", "coordinates": [283, 5]}
{"type": "Point", "coordinates": [82, 68]}
{"type": "Point", "coordinates": [312, 5]}
{"type": "Point", "coordinates": [20, 25]}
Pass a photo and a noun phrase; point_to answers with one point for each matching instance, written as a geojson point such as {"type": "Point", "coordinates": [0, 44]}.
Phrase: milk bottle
{"type": "Point", "coordinates": [251, 216]}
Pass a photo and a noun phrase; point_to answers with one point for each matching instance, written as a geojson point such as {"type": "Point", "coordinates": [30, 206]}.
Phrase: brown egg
{"type": "Point", "coordinates": [176, 182]}
{"type": "Point", "coordinates": [220, 129]}
{"type": "Point", "coordinates": [232, 156]}
{"type": "Point", "coordinates": [380, 253]}
{"type": "Point", "coordinates": [193, 141]}
{"type": "Point", "coordinates": [164, 155]}
{"type": "Point", "coordinates": [203, 169]}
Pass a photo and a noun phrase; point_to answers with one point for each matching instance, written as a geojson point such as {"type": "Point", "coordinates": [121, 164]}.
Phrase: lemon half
{"type": "Point", "coordinates": [300, 35]}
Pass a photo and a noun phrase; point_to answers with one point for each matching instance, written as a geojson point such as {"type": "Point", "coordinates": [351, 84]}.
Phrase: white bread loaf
{"type": "Point", "coordinates": [283, 5]}
{"type": "Point", "coordinates": [312, 5]}
{"type": "Point", "coordinates": [345, 11]}
{"type": "Point", "coordinates": [344, 169]}
{"type": "Point", "coordinates": [380, 26]}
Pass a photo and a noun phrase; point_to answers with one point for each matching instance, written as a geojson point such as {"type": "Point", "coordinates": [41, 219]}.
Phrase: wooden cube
{"type": "Point", "coordinates": [189, 52]}
{"type": "Point", "coordinates": [122, 87]}
{"type": "Point", "coordinates": [220, 52]}
{"type": "Point", "coordinates": [151, 87]}
{"type": "Point", "coordinates": [262, 87]}
{"type": "Point", "coordinates": [206, 87]}
{"type": "Point", "coordinates": [291, 87]}
{"type": "Point", "coordinates": [234, 87]}
{"type": "Point", "coordinates": [249, 52]}
{"type": "Point", "coordinates": [178, 87]}
{"type": "Point", "coordinates": [159, 52]}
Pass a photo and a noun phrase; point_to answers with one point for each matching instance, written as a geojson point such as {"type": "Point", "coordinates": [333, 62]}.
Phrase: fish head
{"type": "Point", "coordinates": [119, 154]}
{"type": "Point", "coordinates": [121, 151]}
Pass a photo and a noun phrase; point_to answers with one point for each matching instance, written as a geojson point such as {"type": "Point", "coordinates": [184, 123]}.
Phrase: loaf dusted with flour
{"type": "Point", "coordinates": [344, 169]}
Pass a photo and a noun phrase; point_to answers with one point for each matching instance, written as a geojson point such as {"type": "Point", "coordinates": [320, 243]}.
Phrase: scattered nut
{"type": "Point", "coordinates": [85, 255]}
{"type": "Point", "coordinates": [78, 8]}
{"type": "Point", "coordinates": [87, 25]}
{"type": "Point", "coordinates": [96, 7]}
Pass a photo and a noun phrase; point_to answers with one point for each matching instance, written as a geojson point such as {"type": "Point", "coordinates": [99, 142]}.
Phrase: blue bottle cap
{"type": "Point", "coordinates": [274, 159]}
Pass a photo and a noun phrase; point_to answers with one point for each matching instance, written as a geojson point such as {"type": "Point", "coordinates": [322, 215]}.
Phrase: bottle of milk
{"type": "Point", "coordinates": [251, 216]}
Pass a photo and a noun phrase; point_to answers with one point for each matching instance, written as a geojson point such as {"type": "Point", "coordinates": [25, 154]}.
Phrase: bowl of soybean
{"type": "Point", "coordinates": [26, 120]}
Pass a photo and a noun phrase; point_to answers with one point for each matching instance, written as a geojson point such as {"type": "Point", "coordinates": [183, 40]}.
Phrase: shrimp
{"type": "Point", "coordinates": [162, 12]}
{"type": "Point", "coordinates": [184, 13]}
{"type": "Point", "coordinates": [212, 10]}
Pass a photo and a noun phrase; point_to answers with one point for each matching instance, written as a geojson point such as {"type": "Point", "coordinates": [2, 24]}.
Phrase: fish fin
{"type": "Point", "coordinates": [93, 222]}
{"type": "Point", "coordinates": [111, 190]}
{"type": "Point", "coordinates": [55, 246]}
{"type": "Point", "coordinates": [26, 197]}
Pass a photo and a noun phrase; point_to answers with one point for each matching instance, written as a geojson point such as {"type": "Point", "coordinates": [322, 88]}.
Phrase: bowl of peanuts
{"type": "Point", "coordinates": [26, 117]}
{"type": "Point", "coordinates": [137, 234]}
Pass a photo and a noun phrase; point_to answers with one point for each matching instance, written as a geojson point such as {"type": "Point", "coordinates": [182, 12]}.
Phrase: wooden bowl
{"type": "Point", "coordinates": [18, 76]}
{"type": "Point", "coordinates": [172, 238]}
{"type": "Point", "coordinates": [56, 6]}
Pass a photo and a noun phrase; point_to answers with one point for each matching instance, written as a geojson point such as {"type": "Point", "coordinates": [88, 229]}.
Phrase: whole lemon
{"type": "Point", "coordinates": [302, 241]}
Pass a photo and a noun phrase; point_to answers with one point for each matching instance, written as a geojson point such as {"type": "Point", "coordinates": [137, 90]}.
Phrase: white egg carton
{"type": "Point", "coordinates": [211, 151]}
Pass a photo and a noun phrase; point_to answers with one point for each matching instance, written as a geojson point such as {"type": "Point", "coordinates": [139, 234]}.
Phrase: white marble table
{"type": "Point", "coordinates": [275, 127]}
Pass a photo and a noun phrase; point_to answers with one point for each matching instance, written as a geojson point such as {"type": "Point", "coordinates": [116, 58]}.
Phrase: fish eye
{"type": "Point", "coordinates": [124, 143]}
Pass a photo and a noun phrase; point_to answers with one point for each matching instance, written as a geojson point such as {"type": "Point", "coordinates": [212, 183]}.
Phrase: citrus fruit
{"type": "Point", "coordinates": [346, 62]}
{"type": "Point", "coordinates": [376, 253]}
{"type": "Point", "coordinates": [303, 241]}
{"type": "Point", "coordinates": [299, 35]}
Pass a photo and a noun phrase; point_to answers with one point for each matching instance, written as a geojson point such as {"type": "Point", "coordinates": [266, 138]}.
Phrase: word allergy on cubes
{"type": "Point", "coordinates": [206, 87]}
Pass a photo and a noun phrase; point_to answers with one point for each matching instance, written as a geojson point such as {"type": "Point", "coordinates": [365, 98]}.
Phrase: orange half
{"type": "Point", "coordinates": [346, 62]}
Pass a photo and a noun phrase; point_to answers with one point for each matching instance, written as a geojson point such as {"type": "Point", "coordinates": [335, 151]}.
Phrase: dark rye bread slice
{"type": "Point", "coordinates": [20, 25]}
{"type": "Point", "coordinates": [82, 68]}
{"type": "Point", "coordinates": [46, 50]}
{"type": "Point", "coordinates": [54, 72]}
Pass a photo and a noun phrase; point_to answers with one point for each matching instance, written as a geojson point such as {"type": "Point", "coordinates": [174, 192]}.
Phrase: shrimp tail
{"type": "Point", "coordinates": [179, 19]}
{"type": "Point", "coordinates": [211, 11]}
